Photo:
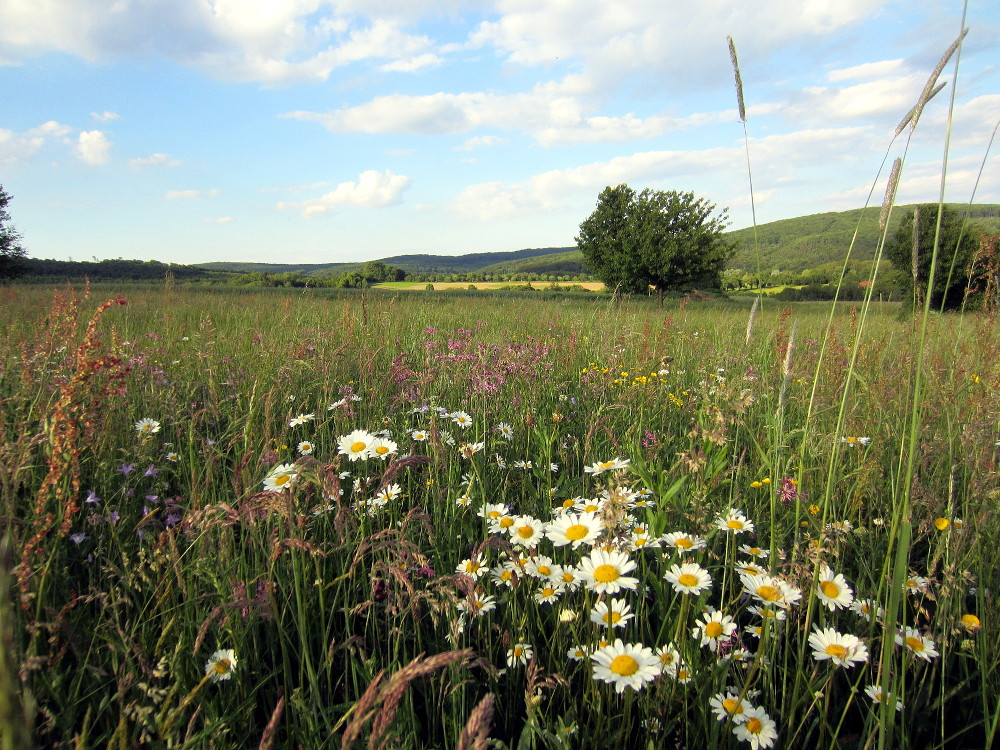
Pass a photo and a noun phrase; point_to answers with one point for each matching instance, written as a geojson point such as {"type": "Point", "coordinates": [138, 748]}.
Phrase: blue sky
{"type": "Point", "coordinates": [318, 131]}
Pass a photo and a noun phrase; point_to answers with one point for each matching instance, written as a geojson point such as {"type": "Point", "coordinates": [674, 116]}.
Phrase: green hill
{"type": "Point", "coordinates": [809, 241]}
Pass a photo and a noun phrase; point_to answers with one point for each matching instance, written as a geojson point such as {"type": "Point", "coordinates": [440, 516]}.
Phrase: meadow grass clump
{"type": "Point", "coordinates": [373, 520]}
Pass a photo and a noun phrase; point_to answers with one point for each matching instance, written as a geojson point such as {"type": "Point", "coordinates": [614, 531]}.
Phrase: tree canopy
{"type": "Point", "coordinates": [11, 251]}
{"type": "Point", "coordinates": [654, 238]}
{"type": "Point", "coordinates": [957, 245]}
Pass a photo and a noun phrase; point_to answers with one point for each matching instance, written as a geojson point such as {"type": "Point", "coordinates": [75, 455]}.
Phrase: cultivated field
{"type": "Point", "coordinates": [308, 520]}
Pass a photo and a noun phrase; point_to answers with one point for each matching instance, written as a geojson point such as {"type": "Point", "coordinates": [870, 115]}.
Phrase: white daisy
{"type": "Point", "coordinates": [689, 578]}
{"type": "Point", "coordinates": [713, 628]}
{"type": "Point", "coordinates": [574, 529]}
{"type": "Point", "coordinates": [843, 649]}
{"type": "Point", "coordinates": [916, 643]}
{"type": "Point", "coordinates": [612, 613]}
{"type": "Point", "coordinates": [382, 447]}
{"type": "Point", "coordinates": [519, 654]}
{"type": "Point", "coordinates": [623, 665]}
{"type": "Point", "coordinates": [602, 466]}
{"type": "Point", "coordinates": [733, 520]}
{"type": "Point", "coordinates": [683, 542]}
{"type": "Point", "coordinates": [301, 419]}
{"type": "Point", "coordinates": [757, 728]}
{"type": "Point", "coordinates": [220, 665]}
{"type": "Point", "coordinates": [147, 426]}
{"type": "Point", "coordinates": [281, 476]}
{"type": "Point", "coordinates": [604, 572]}
{"type": "Point", "coordinates": [833, 591]}
{"type": "Point", "coordinates": [355, 445]}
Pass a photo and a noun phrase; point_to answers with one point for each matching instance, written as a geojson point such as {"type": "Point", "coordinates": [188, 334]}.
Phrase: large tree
{"type": "Point", "coordinates": [957, 247]}
{"type": "Point", "coordinates": [11, 251]}
{"type": "Point", "coordinates": [655, 238]}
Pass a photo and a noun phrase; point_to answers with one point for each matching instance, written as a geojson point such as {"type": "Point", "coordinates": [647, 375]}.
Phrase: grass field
{"type": "Point", "coordinates": [387, 520]}
{"type": "Point", "coordinates": [594, 286]}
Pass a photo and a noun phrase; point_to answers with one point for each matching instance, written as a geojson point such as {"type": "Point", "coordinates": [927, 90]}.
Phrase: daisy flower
{"type": "Point", "coordinates": [602, 466]}
{"type": "Point", "coordinates": [578, 653]}
{"type": "Point", "coordinates": [468, 450]}
{"type": "Point", "coordinates": [757, 728]}
{"type": "Point", "coordinates": [916, 584]}
{"type": "Point", "coordinates": [519, 654]}
{"type": "Point", "coordinates": [917, 643]}
{"type": "Point", "coordinates": [613, 613]}
{"type": "Point", "coordinates": [867, 608]}
{"type": "Point", "coordinates": [220, 665]}
{"type": "Point", "coordinates": [493, 511]}
{"type": "Point", "coordinates": [713, 628]}
{"type": "Point", "coordinates": [604, 572]}
{"type": "Point", "coordinates": [419, 435]}
{"type": "Point", "coordinates": [748, 568]}
{"type": "Point", "coordinates": [729, 706]}
{"type": "Point", "coordinates": [526, 531]}
{"type": "Point", "coordinates": [771, 590]}
{"type": "Point", "coordinates": [281, 476]}
{"type": "Point", "coordinates": [473, 566]}
{"type": "Point", "coordinates": [463, 501]}
{"type": "Point", "coordinates": [856, 442]}
{"type": "Point", "coordinates": [390, 492]}
{"type": "Point", "coordinates": [355, 445]}
{"type": "Point", "coordinates": [734, 521]}
{"type": "Point", "coordinates": [843, 649]}
{"type": "Point", "coordinates": [689, 578]}
{"type": "Point", "coordinates": [462, 419]}
{"type": "Point", "coordinates": [574, 529]}
{"type": "Point", "coordinates": [505, 430]}
{"type": "Point", "coordinates": [540, 567]}
{"type": "Point", "coordinates": [173, 457]}
{"type": "Point", "coordinates": [875, 693]}
{"type": "Point", "coordinates": [757, 552]}
{"type": "Point", "coordinates": [301, 419]}
{"type": "Point", "coordinates": [623, 665]}
{"type": "Point", "coordinates": [147, 426]}
{"type": "Point", "coordinates": [669, 658]}
{"type": "Point", "coordinates": [382, 447]}
{"type": "Point", "coordinates": [549, 593]}
{"type": "Point", "coordinates": [833, 590]}
{"type": "Point", "coordinates": [504, 575]}
{"type": "Point", "coordinates": [477, 605]}
{"type": "Point", "coordinates": [305, 448]}
{"type": "Point", "coordinates": [683, 542]}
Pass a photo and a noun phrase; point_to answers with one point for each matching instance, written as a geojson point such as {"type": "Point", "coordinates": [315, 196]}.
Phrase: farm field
{"type": "Point", "coordinates": [332, 519]}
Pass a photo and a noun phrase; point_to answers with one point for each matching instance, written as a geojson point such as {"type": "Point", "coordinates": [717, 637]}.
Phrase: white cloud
{"type": "Point", "coordinates": [93, 147]}
{"type": "Point", "coordinates": [866, 71]}
{"type": "Point", "coordinates": [412, 64]}
{"type": "Point", "coordinates": [171, 195]}
{"type": "Point", "coordinates": [220, 220]}
{"type": "Point", "coordinates": [482, 140]}
{"type": "Point", "coordinates": [16, 148]}
{"type": "Point", "coordinates": [777, 160]}
{"type": "Point", "coordinates": [153, 160]}
{"type": "Point", "coordinates": [104, 116]}
{"type": "Point", "coordinates": [372, 190]}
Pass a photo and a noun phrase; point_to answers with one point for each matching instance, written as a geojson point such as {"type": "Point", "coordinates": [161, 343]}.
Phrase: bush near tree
{"type": "Point", "coordinates": [11, 252]}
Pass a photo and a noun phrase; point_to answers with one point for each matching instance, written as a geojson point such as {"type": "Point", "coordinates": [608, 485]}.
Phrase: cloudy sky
{"type": "Point", "coordinates": [339, 130]}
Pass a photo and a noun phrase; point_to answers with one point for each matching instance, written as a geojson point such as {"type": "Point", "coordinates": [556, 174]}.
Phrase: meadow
{"type": "Point", "coordinates": [383, 519]}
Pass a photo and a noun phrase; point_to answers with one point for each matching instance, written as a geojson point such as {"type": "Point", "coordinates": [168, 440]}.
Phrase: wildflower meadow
{"type": "Point", "coordinates": [454, 520]}
{"type": "Point", "coordinates": [460, 520]}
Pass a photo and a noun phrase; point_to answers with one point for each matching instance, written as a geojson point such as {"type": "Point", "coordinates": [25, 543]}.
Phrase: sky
{"type": "Point", "coordinates": [327, 131]}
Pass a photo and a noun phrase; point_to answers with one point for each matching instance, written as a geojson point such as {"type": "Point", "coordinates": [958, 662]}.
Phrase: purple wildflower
{"type": "Point", "coordinates": [92, 498]}
{"type": "Point", "coordinates": [151, 471]}
{"type": "Point", "coordinates": [77, 538]}
{"type": "Point", "coordinates": [126, 469]}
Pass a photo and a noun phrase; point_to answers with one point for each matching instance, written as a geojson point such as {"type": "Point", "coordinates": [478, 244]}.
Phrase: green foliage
{"type": "Point", "coordinates": [11, 252]}
{"type": "Point", "coordinates": [957, 245]}
{"type": "Point", "coordinates": [662, 239]}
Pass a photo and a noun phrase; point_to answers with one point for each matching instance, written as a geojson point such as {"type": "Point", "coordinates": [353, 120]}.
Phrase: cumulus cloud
{"type": "Point", "coordinates": [171, 195]}
{"type": "Point", "coordinates": [104, 116]}
{"type": "Point", "coordinates": [780, 158]}
{"type": "Point", "coordinates": [93, 147]}
{"type": "Point", "coordinates": [372, 190]}
{"type": "Point", "coordinates": [153, 160]}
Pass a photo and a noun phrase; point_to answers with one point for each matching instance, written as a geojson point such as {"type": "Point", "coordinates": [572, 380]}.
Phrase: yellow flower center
{"type": "Point", "coordinates": [358, 447]}
{"type": "Point", "coordinates": [830, 589]}
{"type": "Point", "coordinates": [606, 573]}
{"type": "Point", "coordinates": [916, 644]}
{"type": "Point", "coordinates": [544, 570]}
{"type": "Point", "coordinates": [734, 523]}
{"type": "Point", "coordinates": [548, 591]}
{"type": "Point", "coordinates": [525, 532]}
{"type": "Point", "coordinates": [713, 629]}
{"type": "Point", "coordinates": [768, 593]}
{"type": "Point", "coordinates": [518, 651]}
{"type": "Point", "coordinates": [506, 522]}
{"type": "Point", "coordinates": [624, 665]}
{"type": "Point", "coordinates": [754, 725]}
{"type": "Point", "coordinates": [568, 503]}
{"type": "Point", "coordinates": [666, 658]}
{"type": "Point", "coordinates": [382, 450]}
{"type": "Point", "coordinates": [591, 509]}
{"type": "Point", "coordinates": [733, 706]}
{"type": "Point", "coordinates": [754, 550]}
{"type": "Point", "coordinates": [280, 480]}
{"type": "Point", "coordinates": [612, 617]}
{"type": "Point", "coordinates": [683, 543]}
{"type": "Point", "coordinates": [687, 580]}
{"type": "Point", "coordinates": [222, 666]}
{"type": "Point", "coordinates": [568, 577]}
{"type": "Point", "coordinates": [835, 649]}
{"type": "Point", "coordinates": [576, 532]}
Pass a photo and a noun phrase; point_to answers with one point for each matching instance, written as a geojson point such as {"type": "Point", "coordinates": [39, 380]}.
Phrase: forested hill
{"type": "Point", "coordinates": [810, 241]}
